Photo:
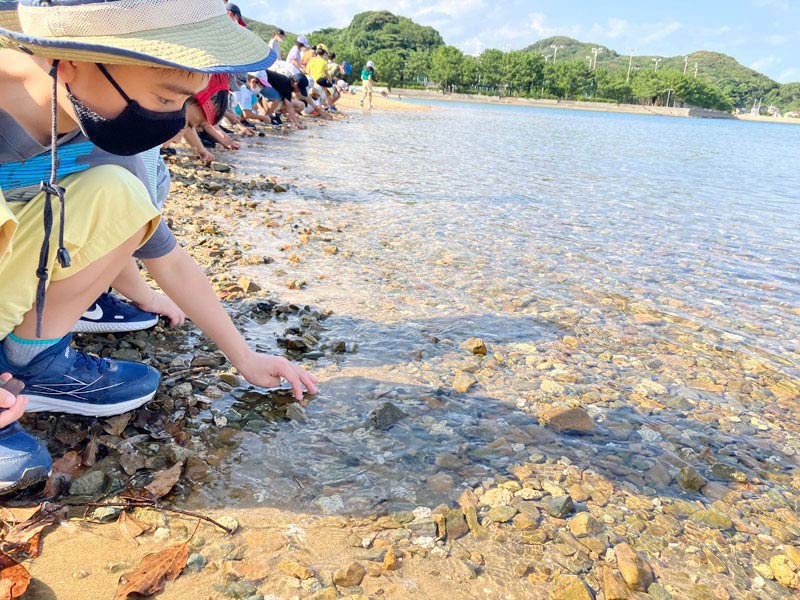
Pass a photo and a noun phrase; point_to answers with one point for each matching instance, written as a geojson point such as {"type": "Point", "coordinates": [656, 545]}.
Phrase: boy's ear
{"type": "Point", "coordinates": [67, 70]}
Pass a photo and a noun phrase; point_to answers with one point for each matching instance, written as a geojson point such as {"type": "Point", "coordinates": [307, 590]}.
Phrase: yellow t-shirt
{"type": "Point", "coordinates": [317, 67]}
{"type": "Point", "coordinates": [8, 225]}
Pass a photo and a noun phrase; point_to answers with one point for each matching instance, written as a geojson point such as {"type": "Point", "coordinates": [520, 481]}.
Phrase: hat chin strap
{"type": "Point", "coordinates": [50, 188]}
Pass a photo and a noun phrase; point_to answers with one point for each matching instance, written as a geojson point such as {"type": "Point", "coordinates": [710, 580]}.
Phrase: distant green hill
{"type": "Point", "coordinates": [742, 85]}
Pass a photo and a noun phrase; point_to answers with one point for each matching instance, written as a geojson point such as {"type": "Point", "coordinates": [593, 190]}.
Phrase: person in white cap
{"type": "Point", "coordinates": [367, 79]}
{"type": "Point", "coordinates": [295, 60]}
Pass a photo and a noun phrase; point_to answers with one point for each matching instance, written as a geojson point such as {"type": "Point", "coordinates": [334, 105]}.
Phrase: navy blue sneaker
{"type": "Point", "coordinates": [64, 380]}
{"type": "Point", "coordinates": [24, 460]}
{"type": "Point", "coordinates": [110, 315]}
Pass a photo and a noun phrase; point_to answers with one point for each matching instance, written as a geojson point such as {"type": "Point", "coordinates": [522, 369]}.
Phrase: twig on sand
{"type": "Point", "coordinates": [147, 503]}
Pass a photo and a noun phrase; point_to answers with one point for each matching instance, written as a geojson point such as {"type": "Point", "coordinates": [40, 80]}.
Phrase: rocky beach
{"type": "Point", "coordinates": [474, 437]}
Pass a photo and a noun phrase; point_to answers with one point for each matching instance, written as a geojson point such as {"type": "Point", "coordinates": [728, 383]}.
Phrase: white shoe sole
{"type": "Point", "coordinates": [45, 404]}
{"type": "Point", "coordinates": [31, 476]}
{"type": "Point", "coordinates": [90, 327]}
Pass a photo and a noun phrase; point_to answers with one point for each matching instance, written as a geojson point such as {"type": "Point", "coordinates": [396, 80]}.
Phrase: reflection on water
{"type": "Point", "coordinates": [669, 248]}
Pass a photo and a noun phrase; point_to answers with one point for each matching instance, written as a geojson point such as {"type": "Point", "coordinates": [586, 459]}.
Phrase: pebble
{"type": "Point", "coordinates": [501, 514]}
{"type": "Point", "coordinates": [89, 484]}
{"type": "Point", "coordinates": [690, 479]}
{"type": "Point", "coordinates": [584, 524]}
{"type": "Point", "coordinates": [497, 497]}
{"type": "Point", "coordinates": [195, 562]}
{"type": "Point", "coordinates": [349, 576]}
{"type": "Point", "coordinates": [564, 419]}
{"type": "Point", "coordinates": [784, 573]}
{"type": "Point", "coordinates": [476, 346]}
{"type": "Point", "coordinates": [559, 506]}
{"type": "Point", "coordinates": [228, 522]}
{"type": "Point", "coordinates": [712, 519]}
{"type": "Point", "coordinates": [386, 416]}
{"type": "Point", "coordinates": [570, 587]}
{"type": "Point", "coordinates": [463, 381]}
{"type": "Point", "coordinates": [295, 569]}
{"type": "Point", "coordinates": [636, 572]}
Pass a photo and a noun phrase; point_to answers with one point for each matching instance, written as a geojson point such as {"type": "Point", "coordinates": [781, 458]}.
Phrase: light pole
{"type": "Point", "coordinates": [695, 70]}
{"type": "Point", "coordinates": [590, 61]}
{"type": "Point", "coordinates": [596, 51]}
{"type": "Point", "coordinates": [555, 48]}
{"type": "Point", "coordinates": [631, 51]}
{"type": "Point", "coordinates": [656, 61]}
{"type": "Point", "coordinates": [669, 92]}
{"type": "Point", "coordinates": [685, 64]}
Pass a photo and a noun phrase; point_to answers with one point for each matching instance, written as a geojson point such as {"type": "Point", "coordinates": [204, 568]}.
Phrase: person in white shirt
{"type": "Point", "coordinates": [275, 43]}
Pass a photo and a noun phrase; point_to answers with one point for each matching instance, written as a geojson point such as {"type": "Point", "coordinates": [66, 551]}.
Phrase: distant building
{"type": "Point", "coordinates": [795, 114]}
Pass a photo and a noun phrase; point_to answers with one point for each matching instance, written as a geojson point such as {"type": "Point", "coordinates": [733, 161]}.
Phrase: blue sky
{"type": "Point", "coordinates": [762, 34]}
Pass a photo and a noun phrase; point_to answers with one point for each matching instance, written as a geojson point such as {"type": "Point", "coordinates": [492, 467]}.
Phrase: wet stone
{"type": "Point", "coordinates": [386, 416]}
{"type": "Point", "coordinates": [349, 576]}
{"type": "Point", "coordinates": [90, 484]}
{"type": "Point", "coordinates": [584, 524]}
{"type": "Point", "coordinates": [636, 572]}
{"type": "Point", "coordinates": [728, 473]}
{"type": "Point", "coordinates": [559, 506]}
{"type": "Point", "coordinates": [567, 420]}
{"type": "Point", "coordinates": [712, 519]}
{"type": "Point", "coordinates": [195, 562]}
{"type": "Point", "coordinates": [463, 381]}
{"type": "Point", "coordinates": [476, 346]}
{"type": "Point", "coordinates": [501, 514]}
{"type": "Point", "coordinates": [570, 587]}
{"type": "Point", "coordinates": [690, 479]}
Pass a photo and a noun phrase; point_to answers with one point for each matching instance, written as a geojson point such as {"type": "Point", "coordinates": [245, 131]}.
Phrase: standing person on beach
{"type": "Point", "coordinates": [367, 79]}
{"type": "Point", "coordinates": [98, 87]}
{"type": "Point", "coordinates": [295, 60]}
{"type": "Point", "coordinates": [275, 43]}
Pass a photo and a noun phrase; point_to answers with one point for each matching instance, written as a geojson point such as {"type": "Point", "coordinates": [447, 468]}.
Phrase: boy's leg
{"type": "Point", "coordinates": [108, 214]}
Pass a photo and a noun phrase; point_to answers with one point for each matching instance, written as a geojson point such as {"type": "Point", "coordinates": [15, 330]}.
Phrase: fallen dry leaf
{"type": "Point", "coordinates": [14, 578]}
{"type": "Point", "coordinates": [17, 514]}
{"type": "Point", "coordinates": [22, 540]}
{"type": "Point", "coordinates": [130, 527]}
{"type": "Point", "coordinates": [89, 455]}
{"type": "Point", "coordinates": [116, 425]}
{"type": "Point", "coordinates": [153, 571]}
{"type": "Point", "coordinates": [63, 471]}
{"type": "Point", "coordinates": [165, 480]}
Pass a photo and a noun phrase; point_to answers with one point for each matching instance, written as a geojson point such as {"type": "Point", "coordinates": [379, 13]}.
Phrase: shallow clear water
{"type": "Point", "coordinates": [520, 226]}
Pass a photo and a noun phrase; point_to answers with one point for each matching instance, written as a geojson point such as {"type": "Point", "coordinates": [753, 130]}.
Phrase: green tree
{"type": "Point", "coordinates": [522, 72]}
{"type": "Point", "coordinates": [569, 79]}
{"type": "Point", "coordinates": [470, 73]}
{"type": "Point", "coordinates": [388, 67]}
{"type": "Point", "coordinates": [446, 66]}
{"type": "Point", "coordinates": [490, 68]}
{"type": "Point", "coordinates": [417, 66]}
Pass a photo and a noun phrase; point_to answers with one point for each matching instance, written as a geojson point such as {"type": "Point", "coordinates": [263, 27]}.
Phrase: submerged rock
{"type": "Point", "coordinates": [386, 416]}
{"type": "Point", "coordinates": [567, 420]}
{"type": "Point", "coordinates": [463, 381]}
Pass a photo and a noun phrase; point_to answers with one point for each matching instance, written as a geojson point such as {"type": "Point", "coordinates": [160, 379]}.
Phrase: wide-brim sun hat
{"type": "Point", "coordinates": [198, 36]}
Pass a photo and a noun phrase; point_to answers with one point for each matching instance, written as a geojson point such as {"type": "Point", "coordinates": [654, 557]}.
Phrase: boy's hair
{"type": "Point", "coordinates": [279, 32]}
{"type": "Point", "coordinates": [321, 52]}
{"type": "Point", "coordinates": [219, 101]}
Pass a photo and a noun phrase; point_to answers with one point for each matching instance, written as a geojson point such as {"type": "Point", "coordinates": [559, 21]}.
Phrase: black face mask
{"type": "Point", "coordinates": [134, 130]}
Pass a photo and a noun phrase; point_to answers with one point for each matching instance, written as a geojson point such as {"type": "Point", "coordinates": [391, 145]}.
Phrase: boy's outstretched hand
{"type": "Point", "coordinates": [11, 407]}
{"type": "Point", "coordinates": [267, 371]}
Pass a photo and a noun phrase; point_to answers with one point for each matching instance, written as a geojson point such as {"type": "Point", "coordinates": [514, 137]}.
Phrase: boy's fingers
{"type": "Point", "coordinates": [7, 400]}
{"type": "Point", "coordinates": [5, 377]}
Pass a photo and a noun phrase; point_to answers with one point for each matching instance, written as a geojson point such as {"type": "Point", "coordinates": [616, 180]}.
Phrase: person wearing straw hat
{"type": "Point", "coordinates": [85, 87]}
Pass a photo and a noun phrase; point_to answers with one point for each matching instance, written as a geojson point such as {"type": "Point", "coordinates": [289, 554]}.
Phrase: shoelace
{"type": "Point", "coordinates": [91, 362]}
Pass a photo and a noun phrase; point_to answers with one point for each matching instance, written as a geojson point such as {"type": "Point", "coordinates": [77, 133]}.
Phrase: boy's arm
{"type": "Point", "coordinates": [190, 137]}
{"type": "Point", "coordinates": [130, 284]}
{"type": "Point", "coordinates": [185, 282]}
{"type": "Point", "coordinates": [220, 137]}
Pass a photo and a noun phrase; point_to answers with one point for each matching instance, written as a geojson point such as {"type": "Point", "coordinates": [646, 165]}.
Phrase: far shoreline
{"type": "Point", "coordinates": [585, 106]}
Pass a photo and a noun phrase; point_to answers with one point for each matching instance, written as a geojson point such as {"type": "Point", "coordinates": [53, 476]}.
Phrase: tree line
{"type": "Point", "coordinates": [527, 74]}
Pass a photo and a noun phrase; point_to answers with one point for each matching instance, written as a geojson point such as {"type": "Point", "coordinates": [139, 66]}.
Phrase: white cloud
{"type": "Point", "coordinates": [789, 75]}
{"type": "Point", "coordinates": [773, 4]}
{"type": "Point", "coordinates": [765, 63]}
